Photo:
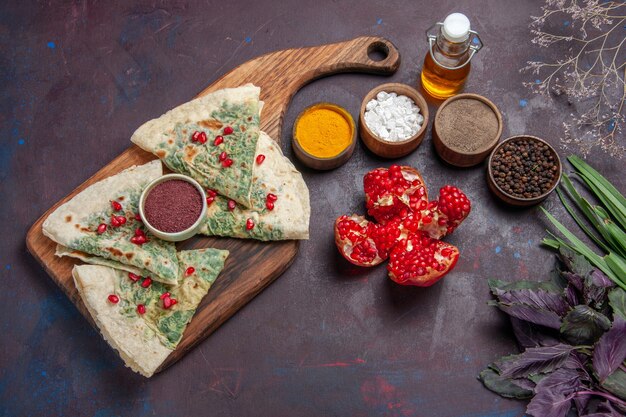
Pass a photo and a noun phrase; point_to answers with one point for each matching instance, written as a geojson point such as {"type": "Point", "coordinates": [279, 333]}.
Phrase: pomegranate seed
{"type": "Point", "coordinates": [146, 282]}
{"type": "Point", "coordinates": [249, 224]}
{"type": "Point", "coordinates": [223, 156]}
{"type": "Point", "coordinates": [133, 277]}
{"type": "Point", "coordinates": [209, 200]}
{"type": "Point", "coordinates": [260, 158]}
{"type": "Point", "coordinates": [139, 232]}
{"type": "Point", "coordinates": [269, 205]}
{"type": "Point", "coordinates": [195, 136]}
{"type": "Point", "coordinates": [167, 302]}
{"type": "Point", "coordinates": [115, 222]}
{"type": "Point", "coordinates": [114, 298]}
{"type": "Point", "coordinates": [190, 270]}
{"type": "Point", "coordinates": [141, 309]}
{"type": "Point", "coordinates": [271, 197]}
{"type": "Point", "coordinates": [116, 206]}
{"type": "Point", "coordinates": [211, 193]}
{"type": "Point", "coordinates": [218, 140]}
{"type": "Point", "coordinates": [227, 162]}
{"type": "Point", "coordinates": [174, 301]}
{"type": "Point", "coordinates": [138, 217]}
{"type": "Point", "coordinates": [231, 205]}
{"type": "Point", "coordinates": [228, 130]}
{"type": "Point", "coordinates": [202, 137]}
{"type": "Point", "coordinates": [165, 294]}
{"type": "Point", "coordinates": [138, 240]}
{"type": "Point", "coordinates": [102, 228]}
{"type": "Point", "coordinates": [121, 220]}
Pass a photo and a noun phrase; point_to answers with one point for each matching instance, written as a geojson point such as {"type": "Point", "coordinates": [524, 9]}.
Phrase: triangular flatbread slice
{"type": "Point", "coordinates": [144, 341]}
{"type": "Point", "coordinates": [289, 218]}
{"type": "Point", "coordinates": [75, 224]}
{"type": "Point", "coordinates": [170, 138]}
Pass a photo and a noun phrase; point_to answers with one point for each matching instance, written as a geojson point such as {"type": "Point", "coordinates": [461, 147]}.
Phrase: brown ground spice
{"type": "Point", "coordinates": [467, 125]}
{"type": "Point", "coordinates": [173, 206]}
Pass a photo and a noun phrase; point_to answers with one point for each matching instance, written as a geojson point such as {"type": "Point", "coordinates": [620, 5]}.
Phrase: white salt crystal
{"type": "Point", "coordinates": [393, 118]}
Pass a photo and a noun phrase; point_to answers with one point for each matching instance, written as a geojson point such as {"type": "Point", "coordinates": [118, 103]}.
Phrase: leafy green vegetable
{"type": "Point", "coordinates": [617, 299]}
{"type": "Point", "coordinates": [534, 361]}
{"type": "Point", "coordinates": [610, 351]}
{"type": "Point", "coordinates": [503, 386]}
{"type": "Point", "coordinates": [584, 325]}
{"type": "Point", "coordinates": [616, 383]}
{"type": "Point", "coordinates": [574, 322]}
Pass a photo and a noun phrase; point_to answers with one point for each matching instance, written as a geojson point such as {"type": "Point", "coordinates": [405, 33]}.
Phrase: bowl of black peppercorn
{"type": "Point", "coordinates": [523, 170]}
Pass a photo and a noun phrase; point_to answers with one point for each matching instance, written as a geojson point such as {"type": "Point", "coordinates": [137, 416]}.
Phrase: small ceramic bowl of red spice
{"type": "Point", "coordinates": [172, 207]}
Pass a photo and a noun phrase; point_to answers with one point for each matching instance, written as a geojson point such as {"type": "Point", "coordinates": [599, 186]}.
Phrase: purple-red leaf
{"type": "Point", "coordinates": [553, 394]}
{"type": "Point", "coordinates": [584, 325]}
{"type": "Point", "coordinates": [534, 360]}
{"type": "Point", "coordinates": [610, 351]}
{"type": "Point", "coordinates": [530, 335]}
{"type": "Point", "coordinates": [532, 314]}
{"type": "Point", "coordinates": [536, 298]}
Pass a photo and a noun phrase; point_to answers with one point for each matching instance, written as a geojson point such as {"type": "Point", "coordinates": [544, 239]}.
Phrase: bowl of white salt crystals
{"type": "Point", "coordinates": [393, 120]}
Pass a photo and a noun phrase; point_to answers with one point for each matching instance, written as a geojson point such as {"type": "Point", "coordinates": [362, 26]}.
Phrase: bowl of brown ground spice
{"type": "Point", "coordinates": [466, 128]}
{"type": "Point", "coordinates": [523, 170]}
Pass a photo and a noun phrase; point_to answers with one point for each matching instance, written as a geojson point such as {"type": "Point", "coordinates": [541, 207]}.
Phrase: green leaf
{"type": "Point", "coordinates": [551, 243]}
{"type": "Point", "coordinates": [617, 264]}
{"type": "Point", "coordinates": [584, 325]}
{"type": "Point", "coordinates": [578, 246]}
{"type": "Point", "coordinates": [616, 383]}
{"type": "Point", "coordinates": [582, 166]}
{"type": "Point", "coordinates": [583, 206]}
{"type": "Point", "coordinates": [614, 201]}
{"type": "Point", "coordinates": [609, 201]}
{"type": "Point", "coordinates": [503, 386]}
{"type": "Point", "coordinates": [617, 300]}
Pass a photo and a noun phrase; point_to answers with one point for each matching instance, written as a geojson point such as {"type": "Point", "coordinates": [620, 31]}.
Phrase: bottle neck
{"type": "Point", "coordinates": [452, 49]}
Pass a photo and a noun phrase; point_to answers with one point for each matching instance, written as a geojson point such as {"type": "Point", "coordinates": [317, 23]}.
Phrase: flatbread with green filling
{"type": "Point", "coordinates": [232, 114]}
{"type": "Point", "coordinates": [289, 216]}
{"type": "Point", "coordinates": [145, 340]}
{"type": "Point", "coordinates": [75, 224]}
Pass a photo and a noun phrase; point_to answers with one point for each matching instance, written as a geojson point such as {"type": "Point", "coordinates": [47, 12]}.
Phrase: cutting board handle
{"type": "Point", "coordinates": [354, 55]}
{"type": "Point", "coordinates": [281, 74]}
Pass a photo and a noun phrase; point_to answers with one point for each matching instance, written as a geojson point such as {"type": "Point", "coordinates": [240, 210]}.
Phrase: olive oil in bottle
{"type": "Point", "coordinates": [447, 63]}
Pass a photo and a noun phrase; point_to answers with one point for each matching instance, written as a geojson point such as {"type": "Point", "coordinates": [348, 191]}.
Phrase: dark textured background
{"type": "Point", "coordinates": [76, 79]}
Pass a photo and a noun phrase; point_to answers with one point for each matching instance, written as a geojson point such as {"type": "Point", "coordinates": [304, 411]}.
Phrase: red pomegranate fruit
{"type": "Point", "coordinates": [421, 260]}
{"type": "Point", "coordinates": [354, 237]}
{"type": "Point", "coordinates": [394, 192]}
{"type": "Point", "coordinates": [407, 228]}
{"type": "Point", "coordinates": [442, 217]}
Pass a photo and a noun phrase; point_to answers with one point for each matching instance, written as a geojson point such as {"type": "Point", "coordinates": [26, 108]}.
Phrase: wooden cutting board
{"type": "Point", "coordinates": [252, 265]}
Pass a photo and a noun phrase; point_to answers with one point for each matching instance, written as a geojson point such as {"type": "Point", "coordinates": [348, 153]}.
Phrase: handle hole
{"type": "Point", "coordinates": [377, 51]}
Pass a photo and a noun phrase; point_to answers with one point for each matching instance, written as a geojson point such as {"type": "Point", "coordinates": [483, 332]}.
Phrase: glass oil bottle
{"type": "Point", "coordinates": [447, 64]}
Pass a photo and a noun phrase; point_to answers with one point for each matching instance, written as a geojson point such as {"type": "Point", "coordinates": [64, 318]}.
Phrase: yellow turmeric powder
{"type": "Point", "coordinates": [323, 131]}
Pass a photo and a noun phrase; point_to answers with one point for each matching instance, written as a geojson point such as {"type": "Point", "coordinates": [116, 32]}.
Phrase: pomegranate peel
{"type": "Point", "coordinates": [354, 237]}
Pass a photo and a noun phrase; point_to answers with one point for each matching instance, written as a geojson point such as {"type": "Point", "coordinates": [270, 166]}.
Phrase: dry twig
{"type": "Point", "coordinates": [591, 75]}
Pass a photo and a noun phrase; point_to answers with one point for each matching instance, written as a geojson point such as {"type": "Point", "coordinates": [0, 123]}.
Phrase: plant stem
{"type": "Point", "coordinates": [600, 394]}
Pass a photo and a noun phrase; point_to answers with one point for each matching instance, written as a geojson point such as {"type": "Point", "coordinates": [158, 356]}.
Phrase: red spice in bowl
{"type": "Point", "coordinates": [173, 206]}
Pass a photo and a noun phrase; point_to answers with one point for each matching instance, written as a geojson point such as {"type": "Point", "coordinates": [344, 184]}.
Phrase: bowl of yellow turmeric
{"type": "Point", "coordinates": [324, 136]}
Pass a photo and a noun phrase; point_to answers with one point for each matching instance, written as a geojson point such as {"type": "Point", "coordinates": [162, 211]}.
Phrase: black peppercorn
{"type": "Point", "coordinates": [524, 168]}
